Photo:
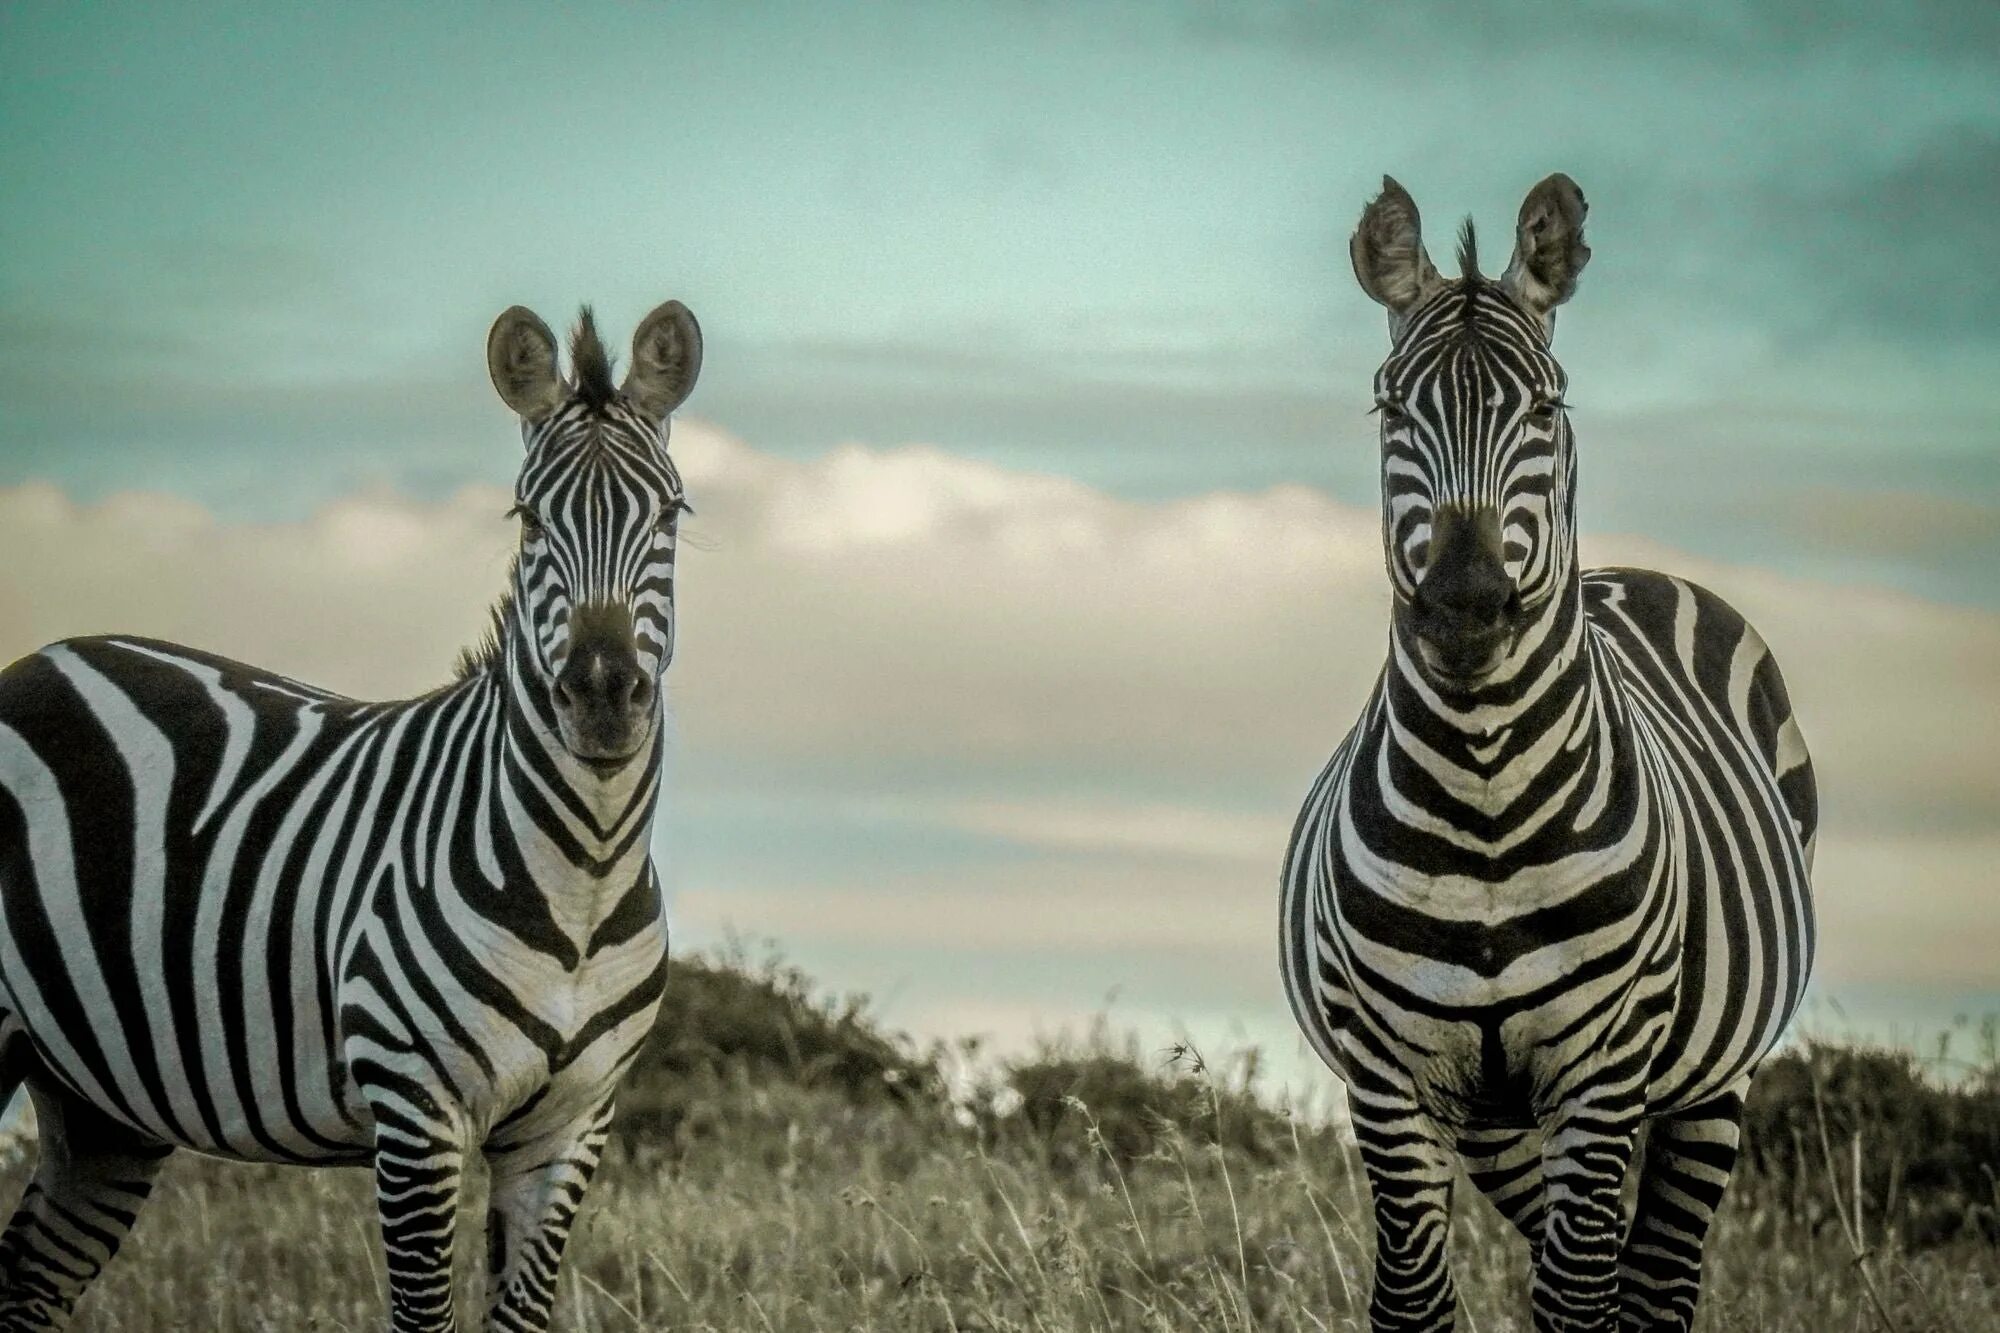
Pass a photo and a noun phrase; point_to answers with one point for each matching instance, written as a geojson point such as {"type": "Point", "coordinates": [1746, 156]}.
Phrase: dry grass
{"type": "Point", "coordinates": [795, 1168]}
{"type": "Point", "coordinates": [828, 1216]}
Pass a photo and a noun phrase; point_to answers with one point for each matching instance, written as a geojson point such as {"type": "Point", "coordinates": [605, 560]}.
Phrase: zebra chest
{"type": "Point", "coordinates": [1491, 1065]}
{"type": "Point", "coordinates": [513, 1034]}
{"type": "Point", "coordinates": [1488, 990]}
{"type": "Point", "coordinates": [1453, 944]}
{"type": "Point", "coordinates": [1475, 1075]}
{"type": "Point", "coordinates": [579, 1027]}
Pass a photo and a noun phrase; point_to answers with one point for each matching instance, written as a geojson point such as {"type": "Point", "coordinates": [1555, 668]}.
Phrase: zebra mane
{"type": "Point", "coordinates": [1468, 252]}
{"type": "Point", "coordinates": [590, 363]}
{"type": "Point", "coordinates": [484, 655]}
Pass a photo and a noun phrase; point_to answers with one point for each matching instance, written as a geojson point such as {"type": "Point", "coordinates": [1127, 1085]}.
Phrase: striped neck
{"type": "Point", "coordinates": [1530, 728]}
{"type": "Point", "coordinates": [580, 840]}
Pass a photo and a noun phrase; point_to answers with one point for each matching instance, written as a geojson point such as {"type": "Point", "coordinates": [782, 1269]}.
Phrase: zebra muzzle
{"type": "Point", "coordinates": [603, 695]}
{"type": "Point", "coordinates": [1466, 607]}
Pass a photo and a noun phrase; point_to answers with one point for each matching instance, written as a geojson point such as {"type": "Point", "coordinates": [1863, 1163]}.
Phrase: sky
{"type": "Point", "coordinates": [1037, 567]}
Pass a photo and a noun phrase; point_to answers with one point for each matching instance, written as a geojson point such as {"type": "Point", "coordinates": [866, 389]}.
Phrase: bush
{"type": "Point", "coordinates": [747, 1052]}
{"type": "Point", "coordinates": [1062, 1097]}
{"type": "Point", "coordinates": [726, 1023]}
{"type": "Point", "coordinates": [1928, 1150]}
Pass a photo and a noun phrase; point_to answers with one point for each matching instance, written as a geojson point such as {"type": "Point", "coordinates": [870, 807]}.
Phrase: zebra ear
{"type": "Point", "coordinates": [521, 357]}
{"type": "Point", "coordinates": [1389, 256]}
{"type": "Point", "coordinates": [666, 360]}
{"type": "Point", "coordinates": [1549, 253]}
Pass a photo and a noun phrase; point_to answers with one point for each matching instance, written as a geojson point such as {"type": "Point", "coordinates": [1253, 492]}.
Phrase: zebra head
{"type": "Point", "coordinates": [1477, 461]}
{"type": "Point", "coordinates": [598, 501]}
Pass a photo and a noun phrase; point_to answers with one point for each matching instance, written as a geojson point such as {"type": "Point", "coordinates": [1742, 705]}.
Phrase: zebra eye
{"type": "Point", "coordinates": [1544, 412]}
{"type": "Point", "coordinates": [1389, 409]}
{"type": "Point", "coordinates": [673, 510]}
{"type": "Point", "coordinates": [531, 525]}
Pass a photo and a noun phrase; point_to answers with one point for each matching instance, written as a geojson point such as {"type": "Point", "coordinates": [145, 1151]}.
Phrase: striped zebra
{"type": "Point", "coordinates": [1553, 884]}
{"type": "Point", "coordinates": [261, 921]}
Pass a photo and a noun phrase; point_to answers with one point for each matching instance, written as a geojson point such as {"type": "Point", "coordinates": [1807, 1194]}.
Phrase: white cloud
{"type": "Point", "coordinates": [1901, 908]}
{"type": "Point", "coordinates": [373, 595]}
{"type": "Point", "coordinates": [1130, 828]}
{"type": "Point", "coordinates": [1122, 702]}
{"type": "Point", "coordinates": [909, 605]}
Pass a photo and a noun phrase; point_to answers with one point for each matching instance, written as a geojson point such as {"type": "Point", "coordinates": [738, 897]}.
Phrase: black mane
{"type": "Point", "coordinates": [1468, 253]}
{"type": "Point", "coordinates": [484, 656]}
{"type": "Point", "coordinates": [590, 364]}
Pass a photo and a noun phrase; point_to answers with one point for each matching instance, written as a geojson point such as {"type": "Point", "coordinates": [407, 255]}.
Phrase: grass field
{"type": "Point", "coordinates": [807, 1173]}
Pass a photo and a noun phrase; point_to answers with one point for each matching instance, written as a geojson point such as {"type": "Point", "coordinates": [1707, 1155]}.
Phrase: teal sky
{"type": "Point", "coordinates": [249, 251]}
{"type": "Point", "coordinates": [249, 255]}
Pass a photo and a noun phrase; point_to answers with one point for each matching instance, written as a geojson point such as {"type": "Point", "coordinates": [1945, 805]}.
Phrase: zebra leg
{"type": "Point", "coordinates": [1689, 1157]}
{"type": "Point", "coordinates": [1506, 1166]}
{"type": "Point", "coordinates": [1584, 1160]}
{"type": "Point", "coordinates": [419, 1165]}
{"type": "Point", "coordinates": [1409, 1165]}
{"type": "Point", "coordinates": [91, 1177]}
{"type": "Point", "coordinates": [537, 1189]}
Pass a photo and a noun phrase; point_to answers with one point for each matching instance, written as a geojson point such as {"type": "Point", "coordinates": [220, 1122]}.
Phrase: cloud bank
{"type": "Point", "coordinates": [1002, 743]}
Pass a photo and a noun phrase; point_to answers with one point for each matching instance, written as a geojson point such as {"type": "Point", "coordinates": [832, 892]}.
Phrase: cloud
{"type": "Point", "coordinates": [372, 595]}
{"type": "Point", "coordinates": [1900, 524]}
{"type": "Point", "coordinates": [1155, 829]}
{"type": "Point", "coordinates": [1003, 736]}
{"type": "Point", "coordinates": [934, 608]}
{"type": "Point", "coordinates": [188, 315]}
{"type": "Point", "coordinates": [1897, 907]}
{"type": "Point", "coordinates": [1913, 241]}
{"type": "Point", "coordinates": [1716, 30]}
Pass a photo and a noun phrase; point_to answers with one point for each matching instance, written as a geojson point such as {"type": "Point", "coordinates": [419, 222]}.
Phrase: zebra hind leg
{"type": "Point", "coordinates": [91, 1178]}
{"type": "Point", "coordinates": [1689, 1157]}
{"type": "Point", "coordinates": [1506, 1166]}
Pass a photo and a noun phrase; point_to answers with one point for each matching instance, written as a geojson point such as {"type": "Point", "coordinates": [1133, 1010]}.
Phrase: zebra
{"type": "Point", "coordinates": [255, 919]}
{"type": "Point", "coordinates": [1554, 883]}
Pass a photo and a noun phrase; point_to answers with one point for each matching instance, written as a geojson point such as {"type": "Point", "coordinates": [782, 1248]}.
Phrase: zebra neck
{"type": "Point", "coordinates": [1535, 727]}
{"type": "Point", "coordinates": [572, 832]}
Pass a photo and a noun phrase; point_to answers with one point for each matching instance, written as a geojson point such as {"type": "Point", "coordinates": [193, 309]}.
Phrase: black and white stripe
{"type": "Point", "coordinates": [1553, 885]}
{"type": "Point", "coordinates": [257, 920]}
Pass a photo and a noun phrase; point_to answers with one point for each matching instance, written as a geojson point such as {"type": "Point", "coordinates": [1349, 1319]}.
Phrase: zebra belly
{"type": "Point", "coordinates": [1708, 706]}
{"type": "Point", "coordinates": [154, 1080]}
{"type": "Point", "coordinates": [218, 1085]}
{"type": "Point", "coordinates": [1743, 972]}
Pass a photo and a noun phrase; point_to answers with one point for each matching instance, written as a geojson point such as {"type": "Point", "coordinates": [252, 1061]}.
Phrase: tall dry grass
{"type": "Point", "coordinates": [806, 1171]}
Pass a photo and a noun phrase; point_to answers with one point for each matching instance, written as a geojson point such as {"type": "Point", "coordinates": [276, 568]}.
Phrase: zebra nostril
{"type": "Point", "coordinates": [597, 681]}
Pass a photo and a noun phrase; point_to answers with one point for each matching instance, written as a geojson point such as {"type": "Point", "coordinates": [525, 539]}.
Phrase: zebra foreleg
{"type": "Point", "coordinates": [1584, 1160]}
{"type": "Point", "coordinates": [1410, 1169]}
{"type": "Point", "coordinates": [1689, 1157]}
{"type": "Point", "coordinates": [537, 1189]}
{"type": "Point", "coordinates": [1506, 1166]}
{"type": "Point", "coordinates": [419, 1166]}
{"type": "Point", "coordinates": [92, 1176]}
